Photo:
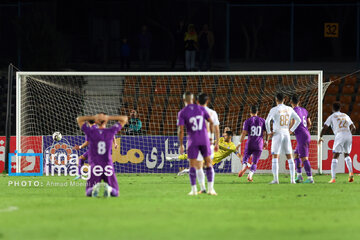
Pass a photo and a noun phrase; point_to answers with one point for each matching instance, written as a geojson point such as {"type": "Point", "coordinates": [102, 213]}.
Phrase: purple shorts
{"type": "Point", "coordinates": [302, 147]}
{"type": "Point", "coordinates": [255, 153]}
{"type": "Point", "coordinates": [193, 151]}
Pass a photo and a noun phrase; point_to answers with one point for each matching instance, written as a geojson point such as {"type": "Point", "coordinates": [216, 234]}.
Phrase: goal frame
{"type": "Point", "coordinates": [319, 73]}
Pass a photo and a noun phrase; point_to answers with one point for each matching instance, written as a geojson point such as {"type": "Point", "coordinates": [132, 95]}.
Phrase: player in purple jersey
{"type": "Point", "coordinates": [84, 157]}
{"type": "Point", "coordinates": [254, 127]}
{"type": "Point", "coordinates": [99, 153]}
{"type": "Point", "coordinates": [303, 138]}
{"type": "Point", "coordinates": [193, 117]}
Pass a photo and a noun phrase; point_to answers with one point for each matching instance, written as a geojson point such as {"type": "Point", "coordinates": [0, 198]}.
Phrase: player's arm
{"type": "Point", "coordinates": [309, 123]}
{"type": "Point", "coordinates": [121, 119]}
{"type": "Point", "coordinates": [114, 142]}
{"type": "Point", "coordinates": [82, 119]}
{"type": "Point", "coordinates": [181, 138]}
{"type": "Point", "coordinates": [352, 128]}
{"type": "Point", "coordinates": [85, 144]}
{"type": "Point", "coordinates": [242, 137]}
{"type": "Point", "coordinates": [267, 125]}
{"type": "Point", "coordinates": [265, 137]}
{"type": "Point", "coordinates": [217, 134]}
{"type": "Point", "coordinates": [323, 130]}
{"type": "Point", "coordinates": [297, 122]}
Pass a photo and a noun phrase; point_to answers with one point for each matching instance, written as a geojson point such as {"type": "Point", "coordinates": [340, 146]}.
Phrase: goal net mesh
{"type": "Point", "coordinates": [49, 103]}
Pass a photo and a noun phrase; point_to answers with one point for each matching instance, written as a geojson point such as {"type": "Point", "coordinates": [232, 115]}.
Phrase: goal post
{"type": "Point", "coordinates": [50, 101]}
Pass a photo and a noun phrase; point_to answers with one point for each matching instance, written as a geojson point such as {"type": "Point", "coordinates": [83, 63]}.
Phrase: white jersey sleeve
{"type": "Point", "coordinates": [328, 121]}
{"type": "Point", "coordinates": [268, 120]}
{"type": "Point", "coordinates": [297, 119]}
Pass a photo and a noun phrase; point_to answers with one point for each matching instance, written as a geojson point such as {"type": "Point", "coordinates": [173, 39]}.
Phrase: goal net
{"type": "Point", "coordinates": [49, 102]}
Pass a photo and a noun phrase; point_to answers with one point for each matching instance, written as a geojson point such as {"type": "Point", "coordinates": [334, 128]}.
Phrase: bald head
{"type": "Point", "coordinates": [188, 98]}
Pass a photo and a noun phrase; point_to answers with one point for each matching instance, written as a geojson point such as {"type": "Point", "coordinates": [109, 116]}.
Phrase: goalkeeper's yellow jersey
{"type": "Point", "coordinates": [225, 149]}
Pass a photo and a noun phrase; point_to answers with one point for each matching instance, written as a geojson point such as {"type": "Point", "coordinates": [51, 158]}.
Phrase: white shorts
{"type": "Point", "coordinates": [200, 158]}
{"type": "Point", "coordinates": [342, 144]}
{"type": "Point", "coordinates": [281, 143]}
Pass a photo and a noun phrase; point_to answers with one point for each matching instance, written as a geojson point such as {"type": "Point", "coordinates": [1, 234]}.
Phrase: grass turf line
{"type": "Point", "coordinates": [156, 206]}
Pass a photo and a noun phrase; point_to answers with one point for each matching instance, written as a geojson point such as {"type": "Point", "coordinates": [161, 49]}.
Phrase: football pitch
{"type": "Point", "coordinates": [156, 206]}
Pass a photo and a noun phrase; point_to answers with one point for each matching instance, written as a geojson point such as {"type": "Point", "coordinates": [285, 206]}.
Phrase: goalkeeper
{"type": "Point", "coordinates": [226, 147]}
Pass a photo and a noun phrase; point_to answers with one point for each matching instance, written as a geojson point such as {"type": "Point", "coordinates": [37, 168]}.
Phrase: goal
{"type": "Point", "coordinates": [50, 101]}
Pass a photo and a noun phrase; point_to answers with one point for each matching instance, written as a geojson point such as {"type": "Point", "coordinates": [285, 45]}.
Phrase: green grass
{"type": "Point", "coordinates": [157, 207]}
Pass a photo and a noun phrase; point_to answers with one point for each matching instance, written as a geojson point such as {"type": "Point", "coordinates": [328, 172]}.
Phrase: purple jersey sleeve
{"type": "Point", "coordinates": [246, 126]}
{"type": "Point", "coordinates": [181, 121]}
{"type": "Point", "coordinates": [116, 127]}
{"type": "Point", "coordinates": [86, 128]}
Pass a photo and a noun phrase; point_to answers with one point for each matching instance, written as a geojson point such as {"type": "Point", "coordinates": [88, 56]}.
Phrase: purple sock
{"type": "Point", "coordinates": [192, 175]}
{"type": "Point", "coordinates": [210, 174]}
{"type": "Point", "coordinates": [89, 192]}
{"type": "Point", "coordinates": [253, 167]}
{"type": "Point", "coordinates": [298, 165]}
{"type": "Point", "coordinates": [307, 168]}
{"type": "Point", "coordinates": [81, 163]}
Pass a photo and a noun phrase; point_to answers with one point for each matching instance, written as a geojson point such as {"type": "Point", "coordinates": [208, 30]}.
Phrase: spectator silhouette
{"type": "Point", "coordinates": [144, 46]}
{"type": "Point", "coordinates": [206, 43]}
{"type": "Point", "coordinates": [125, 54]}
{"type": "Point", "coordinates": [191, 41]}
{"type": "Point", "coordinates": [178, 50]}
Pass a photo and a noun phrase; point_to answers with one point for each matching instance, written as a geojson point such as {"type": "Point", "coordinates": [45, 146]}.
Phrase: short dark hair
{"type": "Point", "coordinates": [280, 97]}
{"type": "Point", "coordinates": [295, 99]}
{"type": "Point", "coordinates": [254, 109]}
{"type": "Point", "coordinates": [186, 94]}
{"type": "Point", "coordinates": [230, 133]}
{"type": "Point", "coordinates": [91, 121]}
{"type": "Point", "coordinates": [202, 98]}
{"type": "Point", "coordinates": [336, 106]}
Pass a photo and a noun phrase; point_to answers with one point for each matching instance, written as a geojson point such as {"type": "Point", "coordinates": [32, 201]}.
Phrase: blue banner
{"type": "Point", "coordinates": [135, 154]}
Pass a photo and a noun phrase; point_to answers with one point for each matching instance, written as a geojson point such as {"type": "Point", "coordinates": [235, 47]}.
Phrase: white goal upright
{"type": "Point", "coordinates": [48, 102]}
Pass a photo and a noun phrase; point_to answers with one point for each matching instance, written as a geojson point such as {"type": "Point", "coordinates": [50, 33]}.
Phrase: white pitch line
{"type": "Point", "coordinates": [9, 209]}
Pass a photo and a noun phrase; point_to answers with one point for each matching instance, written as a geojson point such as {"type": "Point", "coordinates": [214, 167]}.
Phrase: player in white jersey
{"type": "Point", "coordinates": [214, 133]}
{"type": "Point", "coordinates": [343, 128]}
{"type": "Point", "coordinates": [281, 115]}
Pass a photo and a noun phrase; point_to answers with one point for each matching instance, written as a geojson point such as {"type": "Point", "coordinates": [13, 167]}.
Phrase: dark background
{"type": "Point", "coordinates": [80, 35]}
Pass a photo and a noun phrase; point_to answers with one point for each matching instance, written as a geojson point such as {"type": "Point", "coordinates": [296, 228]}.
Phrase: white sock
{"type": "Point", "coordinates": [244, 166]}
{"type": "Point", "coordinates": [349, 164]}
{"type": "Point", "coordinates": [292, 169]}
{"type": "Point", "coordinates": [194, 188]}
{"type": "Point", "coordinates": [251, 173]}
{"type": "Point", "coordinates": [310, 177]}
{"type": "Point", "coordinates": [298, 174]}
{"type": "Point", "coordinates": [275, 169]}
{"type": "Point", "coordinates": [333, 168]}
{"type": "Point", "coordinates": [201, 178]}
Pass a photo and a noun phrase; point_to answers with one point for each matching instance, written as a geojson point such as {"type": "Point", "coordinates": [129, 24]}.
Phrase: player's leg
{"type": "Point", "coordinates": [82, 160]}
{"type": "Point", "coordinates": [256, 156]}
{"type": "Point", "coordinates": [111, 183]}
{"type": "Point", "coordinates": [304, 155]}
{"type": "Point", "coordinates": [288, 152]}
{"type": "Point", "coordinates": [200, 174]}
{"type": "Point", "coordinates": [247, 154]}
{"type": "Point", "coordinates": [275, 151]}
{"type": "Point", "coordinates": [337, 149]}
{"type": "Point", "coordinates": [298, 163]}
{"type": "Point", "coordinates": [347, 150]}
{"type": "Point", "coordinates": [193, 152]}
{"type": "Point", "coordinates": [93, 184]}
{"type": "Point", "coordinates": [210, 173]}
